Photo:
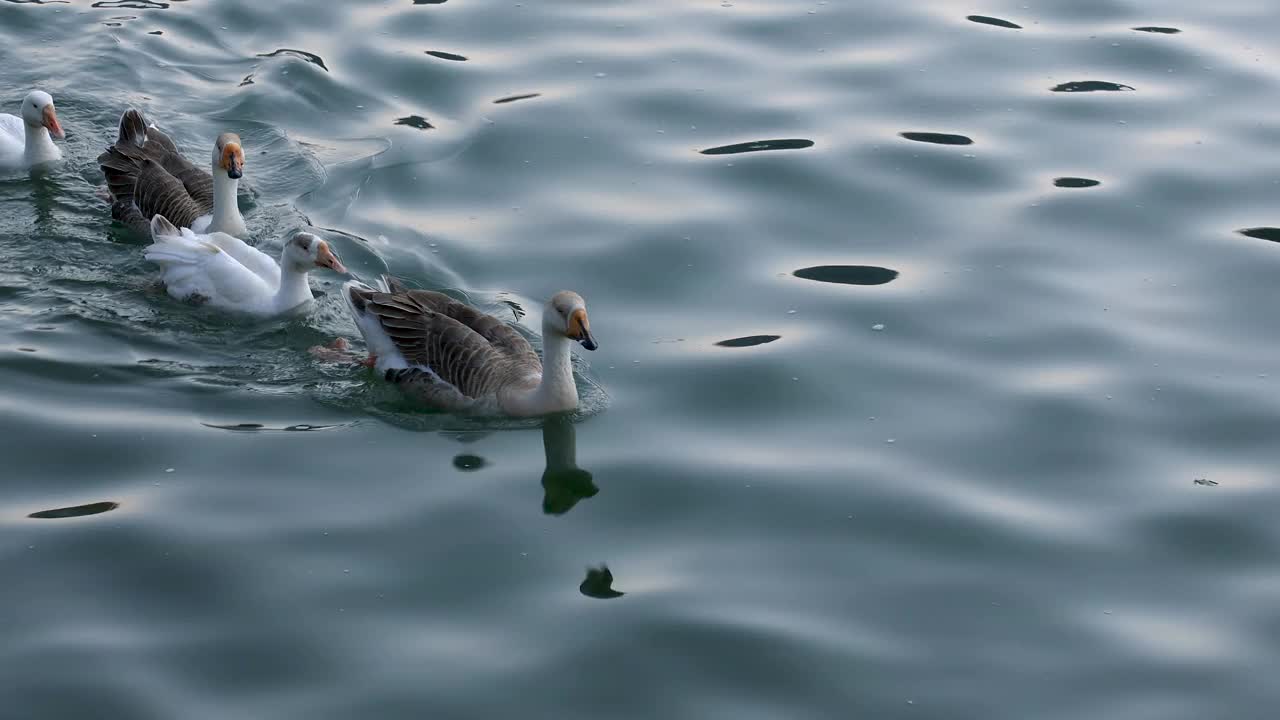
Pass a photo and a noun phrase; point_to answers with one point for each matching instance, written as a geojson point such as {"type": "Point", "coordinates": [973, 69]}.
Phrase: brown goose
{"type": "Point", "coordinates": [147, 176]}
{"type": "Point", "coordinates": [453, 357]}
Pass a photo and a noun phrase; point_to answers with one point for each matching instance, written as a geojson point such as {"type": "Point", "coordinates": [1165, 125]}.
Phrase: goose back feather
{"type": "Point", "coordinates": [147, 176]}
{"type": "Point", "coordinates": [454, 354]}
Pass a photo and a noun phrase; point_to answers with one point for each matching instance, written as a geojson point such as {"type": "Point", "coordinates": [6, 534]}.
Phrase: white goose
{"type": "Point", "coordinates": [223, 272]}
{"type": "Point", "coordinates": [27, 140]}
{"type": "Point", "coordinates": [147, 176]}
{"type": "Point", "coordinates": [453, 357]}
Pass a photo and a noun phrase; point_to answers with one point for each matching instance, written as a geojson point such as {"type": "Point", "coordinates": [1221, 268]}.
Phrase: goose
{"type": "Point", "coordinates": [147, 176]}
{"type": "Point", "coordinates": [452, 357]}
{"type": "Point", "coordinates": [225, 273]}
{"type": "Point", "coordinates": [27, 140]}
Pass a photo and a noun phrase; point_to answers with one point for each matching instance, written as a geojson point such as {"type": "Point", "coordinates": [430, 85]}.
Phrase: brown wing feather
{"type": "Point", "coordinates": [130, 216]}
{"type": "Point", "coordinates": [198, 182]}
{"type": "Point", "coordinates": [503, 336]}
{"type": "Point", "coordinates": [458, 353]}
{"type": "Point", "coordinates": [160, 193]}
{"type": "Point", "coordinates": [430, 390]}
{"type": "Point", "coordinates": [125, 165]}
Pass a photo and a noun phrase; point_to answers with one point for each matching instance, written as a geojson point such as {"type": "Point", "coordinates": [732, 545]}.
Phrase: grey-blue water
{"type": "Point", "coordinates": [937, 379]}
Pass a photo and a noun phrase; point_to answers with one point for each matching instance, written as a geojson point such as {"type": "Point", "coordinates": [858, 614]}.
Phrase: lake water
{"type": "Point", "coordinates": [937, 379]}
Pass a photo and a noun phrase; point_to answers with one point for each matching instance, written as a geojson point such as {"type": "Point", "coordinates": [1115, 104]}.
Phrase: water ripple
{"type": "Point", "coordinates": [1262, 233]}
{"type": "Point", "coordinates": [135, 4]}
{"type": "Point", "coordinates": [310, 57]}
{"type": "Point", "coordinates": [921, 463]}
{"type": "Point", "coordinates": [758, 146]}
{"type": "Point", "coordinates": [468, 463]}
{"type": "Point", "coordinates": [1075, 182]}
{"type": "Point", "coordinates": [76, 511]}
{"type": "Point", "coordinates": [513, 98]}
{"type": "Point", "coordinates": [848, 274]}
{"type": "Point", "coordinates": [749, 341]}
{"type": "Point", "coordinates": [937, 138]}
{"type": "Point", "coordinates": [415, 121]}
{"type": "Point", "coordinates": [985, 20]}
{"type": "Point", "coordinates": [1081, 86]}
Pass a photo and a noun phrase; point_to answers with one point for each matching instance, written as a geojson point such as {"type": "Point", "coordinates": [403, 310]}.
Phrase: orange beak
{"type": "Point", "coordinates": [51, 122]}
{"type": "Point", "coordinates": [326, 258]}
{"type": "Point", "coordinates": [233, 161]}
{"type": "Point", "coordinates": [580, 329]}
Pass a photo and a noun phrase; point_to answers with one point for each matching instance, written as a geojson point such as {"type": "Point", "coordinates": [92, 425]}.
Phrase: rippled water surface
{"type": "Point", "coordinates": [939, 371]}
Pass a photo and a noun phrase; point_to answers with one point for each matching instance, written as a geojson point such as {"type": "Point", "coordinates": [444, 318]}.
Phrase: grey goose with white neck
{"type": "Point", "coordinates": [450, 356]}
{"type": "Point", "coordinates": [147, 176]}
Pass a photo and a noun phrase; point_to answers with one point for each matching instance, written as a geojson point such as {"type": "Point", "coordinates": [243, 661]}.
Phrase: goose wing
{"type": "Point", "coordinates": [125, 165]}
{"type": "Point", "coordinates": [457, 352]}
{"type": "Point", "coordinates": [159, 192]}
{"type": "Point", "coordinates": [192, 268]}
{"type": "Point", "coordinates": [251, 257]}
{"type": "Point", "coordinates": [199, 183]}
{"type": "Point", "coordinates": [503, 337]}
{"type": "Point", "coordinates": [11, 125]}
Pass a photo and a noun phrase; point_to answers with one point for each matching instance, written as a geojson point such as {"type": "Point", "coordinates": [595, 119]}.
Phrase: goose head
{"type": "Point", "coordinates": [306, 252]}
{"type": "Point", "coordinates": [37, 111]}
{"type": "Point", "coordinates": [566, 315]}
{"type": "Point", "coordinates": [228, 158]}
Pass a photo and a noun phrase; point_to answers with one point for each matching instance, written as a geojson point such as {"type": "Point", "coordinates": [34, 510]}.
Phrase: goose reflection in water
{"type": "Point", "coordinates": [563, 482]}
{"type": "Point", "coordinates": [599, 584]}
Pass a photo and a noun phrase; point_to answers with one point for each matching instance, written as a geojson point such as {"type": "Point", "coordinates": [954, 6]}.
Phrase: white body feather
{"type": "Point", "coordinates": [376, 339]}
{"type": "Point", "coordinates": [225, 273]}
{"type": "Point", "coordinates": [22, 147]}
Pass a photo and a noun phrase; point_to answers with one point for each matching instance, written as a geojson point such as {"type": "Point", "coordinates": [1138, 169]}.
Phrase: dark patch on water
{"type": "Point", "coordinates": [415, 121]}
{"type": "Point", "coordinates": [156, 32]}
{"type": "Point", "coordinates": [1075, 182]}
{"type": "Point", "coordinates": [1262, 233]}
{"type": "Point", "coordinates": [39, 2]}
{"type": "Point", "coordinates": [748, 341]}
{"type": "Point", "coordinates": [133, 4]}
{"type": "Point", "coordinates": [1157, 29]}
{"type": "Point", "coordinates": [468, 463]}
{"type": "Point", "coordinates": [938, 138]}
{"type": "Point", "coordinates": [848, 274]}
{"type": "Point", "coordinates": [429, 2]}
{"type": "Point", "coordinates": [302, 54]}
{"type": "Point", "coordinates": [446, 55]}
{"type": "Point", "coordinates": [76, 511]}
{"type": "Point", "coordinates": [759, 146]}
{"type": "Point", "coordinates": [599, 584]}
{"type": "Point", "coordinates": [258, 427]}
{"type": "Point", "coordinates": [513, 98]}
{"type": "Point", "coordinates": [994, 21]}
{"type": "Point", "coordinates": [1205, 482]}
{"type": "Point", "coordinates": [248, 80]}
{"type": "Point", "coordinates": [26, 349]}
{"type": "Point", "coordinates": [1091, 86]}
